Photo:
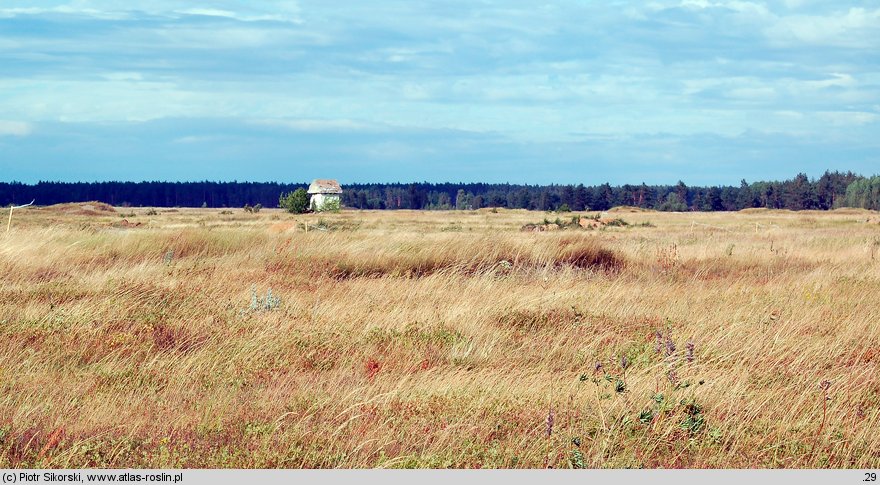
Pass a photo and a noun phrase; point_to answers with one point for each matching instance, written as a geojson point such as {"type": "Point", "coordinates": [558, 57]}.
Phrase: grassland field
{"type": "Point", "coordinates": [208, 338]}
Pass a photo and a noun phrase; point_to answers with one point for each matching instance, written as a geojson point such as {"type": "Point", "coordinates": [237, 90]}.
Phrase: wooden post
{"type": "Point", "coordinates": [11, 208]}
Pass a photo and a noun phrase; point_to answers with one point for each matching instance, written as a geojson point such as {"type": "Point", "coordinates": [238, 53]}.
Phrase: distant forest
{"type": "Point", "coordinates": [831, 190]}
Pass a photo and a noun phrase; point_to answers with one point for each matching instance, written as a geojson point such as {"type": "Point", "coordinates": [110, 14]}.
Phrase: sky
{"type": "Point", "coordinates": [587, 91]}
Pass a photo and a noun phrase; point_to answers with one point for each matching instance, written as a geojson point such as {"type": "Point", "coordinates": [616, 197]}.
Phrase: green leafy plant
{"type": "Point", "coordinates": [693, 421]}
{"type": "Point", "coordinates": [270, 302]}
{"type": "Point", "coordinates": [331, 205]}
{"type": "Point", "coordinates": [576, 459]}
{"type": "Point", "coordinates": [296, 202]}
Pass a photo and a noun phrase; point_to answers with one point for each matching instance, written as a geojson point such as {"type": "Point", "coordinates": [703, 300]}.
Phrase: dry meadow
{"type": "Point", "coordinates": [208, 338]}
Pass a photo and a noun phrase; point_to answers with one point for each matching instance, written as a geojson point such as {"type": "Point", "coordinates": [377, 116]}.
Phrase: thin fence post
{"type": "Point", "coordinates": [12, 208]}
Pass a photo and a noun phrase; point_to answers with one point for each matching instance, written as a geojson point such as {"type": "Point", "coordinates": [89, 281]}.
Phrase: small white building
{"type": "Point", "coordinates": [326, 194]}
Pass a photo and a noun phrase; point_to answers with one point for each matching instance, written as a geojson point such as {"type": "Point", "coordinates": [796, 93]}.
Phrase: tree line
{"type": "Point", "coordinates": [831, 190]}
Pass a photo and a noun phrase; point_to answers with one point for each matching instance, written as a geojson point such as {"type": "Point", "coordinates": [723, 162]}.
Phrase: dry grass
{"type": "Point", "coordinates": [407, 339]}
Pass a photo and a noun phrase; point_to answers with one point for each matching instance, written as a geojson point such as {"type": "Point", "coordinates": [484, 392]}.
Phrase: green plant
{"type": "Point", "coordinates": [270, 302]}
{"type": "Point", "coordinates": [617, 223]}
{"type": "Point", "coordinates": [296, 202]}
{"type": "Point", "coordinates": [563, 208]}
{"type": "Point", "coordinates": [330, 205]}
{"type": "Point", "coordinates": [577, 459]}
{"type": "Point", "coordinates": [693, 421]}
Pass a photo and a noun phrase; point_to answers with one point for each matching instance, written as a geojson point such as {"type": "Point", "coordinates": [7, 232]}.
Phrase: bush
{"type": "Point", "coordinates": [257, 208]}
{"type": "Point", "coordinates": [330, 205]}
{"type": "Point", "coordinates": [563, 208]}
{"type": "Point", "coordinates": [296, 202]}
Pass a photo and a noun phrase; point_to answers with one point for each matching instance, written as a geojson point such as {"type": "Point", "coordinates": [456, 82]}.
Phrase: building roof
{"type": "Point", "coordinates": [325, 186]}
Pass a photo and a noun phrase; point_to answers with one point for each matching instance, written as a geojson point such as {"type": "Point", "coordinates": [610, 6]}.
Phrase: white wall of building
{"type": "Point", "coordinates": [319, 200]}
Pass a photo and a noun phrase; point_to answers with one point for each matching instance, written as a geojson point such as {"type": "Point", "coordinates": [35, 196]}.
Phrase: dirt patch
{"type": "Point", "coordinates": [125, 224]}
{"type": "Point", "coordinates": [280, 227]}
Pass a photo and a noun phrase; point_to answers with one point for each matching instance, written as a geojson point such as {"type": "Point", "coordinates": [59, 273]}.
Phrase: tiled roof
{"type": "Point", "coordinates": [325, 186]}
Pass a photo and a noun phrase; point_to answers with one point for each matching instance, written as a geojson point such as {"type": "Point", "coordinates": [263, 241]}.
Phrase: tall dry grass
{"type": "Point", "coordinates": [439, 340]}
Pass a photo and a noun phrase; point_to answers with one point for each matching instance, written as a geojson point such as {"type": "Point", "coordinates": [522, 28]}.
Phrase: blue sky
{"type": "Point", "coordinates": [709, 92]}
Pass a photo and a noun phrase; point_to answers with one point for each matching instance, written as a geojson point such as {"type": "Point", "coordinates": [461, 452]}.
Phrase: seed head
{"type": "Point", "coordinates": [550, 422]}
{"type": "Point", "coordinates": [624, 363]}
{"type": "Point", "coordinates": [690, 350]}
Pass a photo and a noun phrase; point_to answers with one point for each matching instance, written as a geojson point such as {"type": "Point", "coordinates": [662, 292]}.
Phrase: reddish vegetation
{"type": "Point", "coordinates": [51, 442]}
{"type": "Point", "coordinates": [372, 367]}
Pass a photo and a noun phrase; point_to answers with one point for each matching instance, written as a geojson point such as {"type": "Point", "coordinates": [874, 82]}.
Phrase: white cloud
{"type": "Point", "coordinates": [279, 11]}
{"type": "Point", "coordinates": [736, 6]}
{"type": "Point", "coordinates": [64, 10]}
{"type": "Point", "coordinates": [856, 27]}
{"type": "Point", "coordinates": [699, 67]}
{"type": "Point", "coordinates": [318, 125]}
{"type": "Point", "coordinates": [198, 139]}
{"type": "Point", "coordinates": [243, 17]}
{"type": "Point", "coordinates": [123, 76]}
{"type": "Point", "coordinates": [848, 118]}
{"type": "Point", "coordinates": [15, 128]}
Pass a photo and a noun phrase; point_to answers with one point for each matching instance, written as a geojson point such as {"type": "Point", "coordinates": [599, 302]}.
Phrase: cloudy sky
{"type": "Point", "coordinates": [589, 91]}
